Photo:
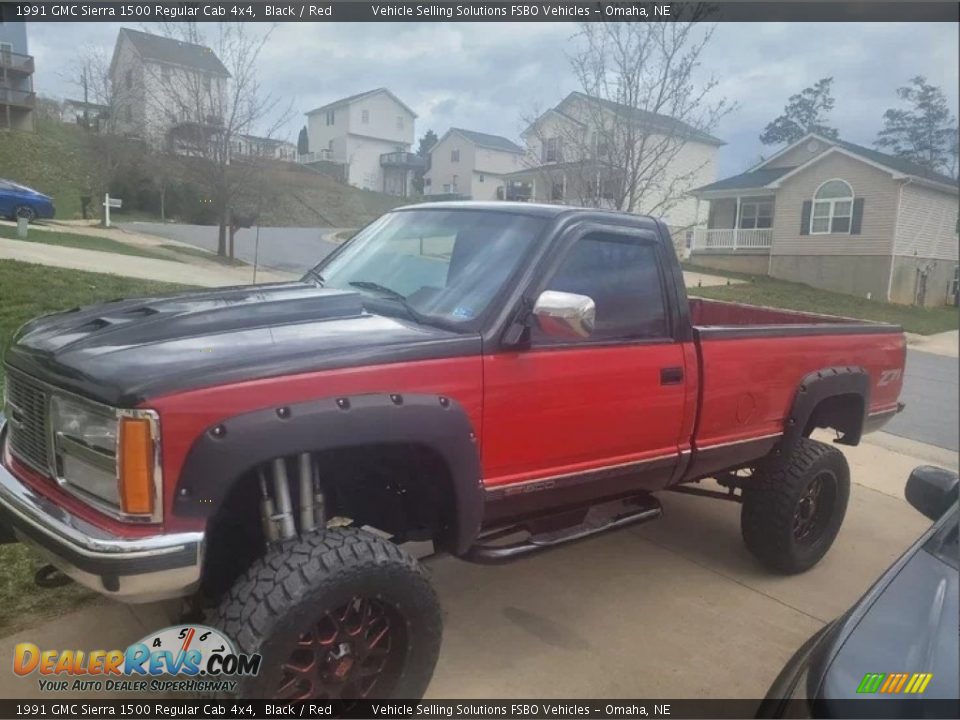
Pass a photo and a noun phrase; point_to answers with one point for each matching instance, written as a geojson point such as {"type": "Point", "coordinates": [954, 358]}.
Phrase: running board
{"type": "Point", "coordinates": [563, 527]}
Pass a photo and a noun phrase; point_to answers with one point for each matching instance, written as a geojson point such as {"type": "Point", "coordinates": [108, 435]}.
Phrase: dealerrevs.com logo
{"type": "Point", "coordinates": [181, 658]}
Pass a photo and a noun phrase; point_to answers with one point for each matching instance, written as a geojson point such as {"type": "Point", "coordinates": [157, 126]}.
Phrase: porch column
{"type": "Point", "coordinates": [736, 224]}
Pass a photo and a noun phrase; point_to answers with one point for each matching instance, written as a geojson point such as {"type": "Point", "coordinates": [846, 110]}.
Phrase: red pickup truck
{"type": "Point", "coordinates": [496, 378]}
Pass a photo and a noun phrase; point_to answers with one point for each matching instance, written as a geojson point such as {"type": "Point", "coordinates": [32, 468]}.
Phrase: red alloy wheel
{"type": "Point", "coordinates": [350, 653]}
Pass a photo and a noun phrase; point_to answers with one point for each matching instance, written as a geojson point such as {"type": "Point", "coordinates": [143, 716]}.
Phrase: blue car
{"type": "Point", "coordinates": [18, 201]}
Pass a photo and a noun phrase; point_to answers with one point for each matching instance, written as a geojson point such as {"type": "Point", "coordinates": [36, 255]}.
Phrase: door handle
{"type": "Point", "coordinates": [671, 376]}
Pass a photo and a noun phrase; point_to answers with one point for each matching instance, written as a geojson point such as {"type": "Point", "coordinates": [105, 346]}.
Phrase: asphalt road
{"type": "Point", "coordinates": [281, 248]}
{"type": "Point", "coordinates": [930, 393]}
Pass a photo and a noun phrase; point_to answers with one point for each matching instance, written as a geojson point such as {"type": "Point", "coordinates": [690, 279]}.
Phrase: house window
{"type": "Point", "coordinates": [399, 122]}
{"type": "Point", "coordinates": [165, 73]}
{"type": "Point", "coordinates": [455, 156]}
{"type": "Point", "coordinates": [552, 151]}
{"type": "Point", "coordinates": [365, 117]}
{"type": "Point", "coordinates": [206, 83]}
{"type": "Point", "coordinates": [427, 182]}
{"type": "Point", "coordinates": [455, 179]}
{"type": "Point", "coordinates": [756, 214]}
{"type": "Point", "coordinates": [481, 177]}
{"type": "Point", "coordinates": [556, 192]}
{"type": "Point", "coordinates": [832, 208]}
{"type": "Point", "coordinates": [331, 117]}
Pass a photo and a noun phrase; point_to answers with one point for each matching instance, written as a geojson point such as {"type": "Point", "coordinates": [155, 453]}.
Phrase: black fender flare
{"type": "Point", "coordinates": [817, 387]}
{"type": "Point", "coordinates": [233, 447]}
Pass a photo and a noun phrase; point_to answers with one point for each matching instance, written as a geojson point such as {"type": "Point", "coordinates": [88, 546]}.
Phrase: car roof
{"type": "Point", "coordinates": [520, 208]}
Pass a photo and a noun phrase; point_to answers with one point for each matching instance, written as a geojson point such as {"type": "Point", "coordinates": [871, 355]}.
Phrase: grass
{"type": "Point", "coordinates": [197, 252]}
{"type": "Point", "coordinates": [76, 240]}
{"type": "Point", "coordinates": [27, 291]}
{"type": "Point", "coordinates": [763, 290]}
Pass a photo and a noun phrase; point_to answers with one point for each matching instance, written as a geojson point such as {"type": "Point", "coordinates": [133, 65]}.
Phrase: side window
{"type": "Point", "coordinates": [621, 276]}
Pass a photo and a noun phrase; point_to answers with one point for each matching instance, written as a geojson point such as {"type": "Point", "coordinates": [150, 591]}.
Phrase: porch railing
{"type": "Point", "coordinates": [731, 238]}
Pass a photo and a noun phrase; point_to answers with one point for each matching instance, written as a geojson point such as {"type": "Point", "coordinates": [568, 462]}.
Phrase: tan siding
{"type": "Point", "coordinates": [798, 155]}
{"type": "Point", "coordinates": [879, 191]}
{"type": "Point", "coordinates": [927, 224]}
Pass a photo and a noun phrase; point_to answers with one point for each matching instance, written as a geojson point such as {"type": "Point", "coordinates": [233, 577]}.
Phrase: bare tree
{"type": "Point", "coordinates": [616, 143]}
{"type": "Point", "coordinates": [212, 112]}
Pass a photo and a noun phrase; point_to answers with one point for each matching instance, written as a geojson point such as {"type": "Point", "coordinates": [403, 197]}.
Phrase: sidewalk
{"type": "Point", "coordinates": [201, 273]}
{"type": "Point", "coordinates": [945, 343]}
{"type": "Point", "coordinates": [674, 608]}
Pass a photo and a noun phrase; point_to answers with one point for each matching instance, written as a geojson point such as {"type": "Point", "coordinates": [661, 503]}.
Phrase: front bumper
{"type": "Point", "coordinates": [134, 570]}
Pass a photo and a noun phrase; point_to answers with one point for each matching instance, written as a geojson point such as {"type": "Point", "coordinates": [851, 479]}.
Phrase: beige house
{"type": "Point", "coordinates": [370, 135]}
{"type": "Point", "coordinates": [575, 148]}
{"type": "Point", "coordinates": [836, 216]}
{"type": "Point", "coordinates": [472, 164]}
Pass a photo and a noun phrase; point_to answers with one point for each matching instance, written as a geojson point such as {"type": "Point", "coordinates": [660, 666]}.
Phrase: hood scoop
{"type": "Point", "coordinates": [136, 322]}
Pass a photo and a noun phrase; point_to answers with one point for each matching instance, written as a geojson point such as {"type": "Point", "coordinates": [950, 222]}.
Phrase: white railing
{"type": "Point", "coordinates": [731, 238]}
{"type": "Point", "coordinates": [314, 156]}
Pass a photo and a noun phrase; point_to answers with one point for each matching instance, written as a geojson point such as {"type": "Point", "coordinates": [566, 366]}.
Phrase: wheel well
{"type": "Point", "coordinates": [843, 413]}
{"type": "Point", "coordinates": [405, 490]}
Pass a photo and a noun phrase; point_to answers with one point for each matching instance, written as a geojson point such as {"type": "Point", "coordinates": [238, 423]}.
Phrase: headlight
{"type": "Point", "coordinates": [110, 456]}
{"type": "Point", "coordinates": [85, 443]}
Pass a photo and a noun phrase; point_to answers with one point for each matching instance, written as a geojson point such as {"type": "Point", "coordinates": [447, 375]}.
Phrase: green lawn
{"type": "Point", "coordinates": [763, 290]}
{"type": "Point", "coordinates": [27, 291]}
{"type": "Point", "coordinates": [86, 242]}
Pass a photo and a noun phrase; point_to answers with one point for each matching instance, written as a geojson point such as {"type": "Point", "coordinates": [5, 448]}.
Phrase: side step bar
{"type": "Point", "coordinates": [563, 527]}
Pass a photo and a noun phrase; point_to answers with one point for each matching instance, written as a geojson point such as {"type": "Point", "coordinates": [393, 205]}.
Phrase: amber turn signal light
{"type": "Point", "coordinates": [136, 466]}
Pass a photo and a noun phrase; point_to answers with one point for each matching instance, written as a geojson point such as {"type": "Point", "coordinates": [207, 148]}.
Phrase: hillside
{"type": "Point", "coordinates": [57, 159]}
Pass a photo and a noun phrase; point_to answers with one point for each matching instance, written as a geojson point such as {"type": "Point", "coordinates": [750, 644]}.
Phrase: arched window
{"type": "Point", "coordinates": [832, 208]}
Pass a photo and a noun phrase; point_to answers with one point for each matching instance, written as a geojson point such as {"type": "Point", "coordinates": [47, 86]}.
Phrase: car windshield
{"type": "Point", "coordinates": [443, 265]}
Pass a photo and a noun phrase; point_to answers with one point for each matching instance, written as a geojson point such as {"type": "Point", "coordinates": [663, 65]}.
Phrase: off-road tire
{"type": "Point", "coordinates": [771, 500]}
{"type": "Point", "coordinates": [299, 580]}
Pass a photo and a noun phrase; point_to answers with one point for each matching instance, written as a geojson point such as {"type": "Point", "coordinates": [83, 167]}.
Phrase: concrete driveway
{"type": "Point", "coordinates": [676, 608]}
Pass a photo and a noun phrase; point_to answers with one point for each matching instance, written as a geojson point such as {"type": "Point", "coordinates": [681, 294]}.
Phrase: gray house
{"type": "Point", "coordinates": [838, 216]}
{"type": "Point", "coordinates": [17, 99]}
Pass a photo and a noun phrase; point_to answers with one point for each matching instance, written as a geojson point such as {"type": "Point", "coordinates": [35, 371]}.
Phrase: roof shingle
{"type": "Point", "coordinates": [175, 52]}
{"type": "Point", "coordinates": [748, 180]}
{"type": "Point", "coordinates": [491, 142]}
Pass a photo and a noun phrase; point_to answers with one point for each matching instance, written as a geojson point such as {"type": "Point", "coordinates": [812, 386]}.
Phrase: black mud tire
{"type": "Point", "coordinates": [300, 580]}
{"type": "Point", "coordinates": [780, 493]}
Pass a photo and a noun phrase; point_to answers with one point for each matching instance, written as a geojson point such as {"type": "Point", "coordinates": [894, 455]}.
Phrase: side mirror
{"type": "Point", "coordinates": [932, 490]}
{"type": "Point", "coordinates": [565, 315]}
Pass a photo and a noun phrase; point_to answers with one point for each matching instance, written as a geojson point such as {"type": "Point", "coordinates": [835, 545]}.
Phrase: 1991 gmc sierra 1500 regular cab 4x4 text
{"type": "Point", "coordinates": [497, 378]}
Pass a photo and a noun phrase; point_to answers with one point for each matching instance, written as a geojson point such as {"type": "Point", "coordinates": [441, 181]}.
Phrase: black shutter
{"type": "Point", "coordinates": [857, 218]}
{"type": "Point", "coordinates": [805, 217]}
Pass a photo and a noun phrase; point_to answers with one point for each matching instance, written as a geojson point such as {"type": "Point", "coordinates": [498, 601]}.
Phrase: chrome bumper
{"type": "Point", "coordinates": [134, 570]}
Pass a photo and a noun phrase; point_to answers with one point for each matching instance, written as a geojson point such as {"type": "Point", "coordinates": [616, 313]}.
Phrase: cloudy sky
{"type": "Point", "coordinates": [489, 76]}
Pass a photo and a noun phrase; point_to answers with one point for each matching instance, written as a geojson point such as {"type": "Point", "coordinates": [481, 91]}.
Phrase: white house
{"type": "Point", "coordinates": [263, 147]}
{"type": "Point", "coordinates": [576, 154]}
{"type": "Point", "coordinates": [370, 134]}
{"type": "Point", "coordinates": [161, 84]}
{"type": "Point", "coordinates": [466, 162]}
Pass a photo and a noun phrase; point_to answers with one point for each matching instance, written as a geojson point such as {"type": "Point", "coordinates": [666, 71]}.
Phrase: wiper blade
{"type": "Point", "coordinates": [391, 294]}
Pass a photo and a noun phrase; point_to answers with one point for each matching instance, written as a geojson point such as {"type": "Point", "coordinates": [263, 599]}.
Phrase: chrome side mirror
{"type": "Point", "coordinates": [565, 315]}
{"type": "Point", "coordinates": [932, 490]}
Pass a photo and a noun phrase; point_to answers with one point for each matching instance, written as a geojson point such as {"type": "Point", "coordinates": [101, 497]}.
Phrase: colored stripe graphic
{"type": "Point", "coordinates": [894, 683]}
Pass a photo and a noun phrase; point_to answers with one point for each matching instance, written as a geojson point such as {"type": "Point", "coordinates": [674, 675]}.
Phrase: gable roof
{"type": "Point", "coordinates": [175, 52]}
{"type": "Point", "coordinates": [486, 140]}
{"type": "Point", "coordinates": [761, 176]}
{"type": "Point", "coordinates": [350, 99]}
{"type": "Point", "coordinates": [750, 180]}
{"type": "Point", "coordinates": [667, 124]}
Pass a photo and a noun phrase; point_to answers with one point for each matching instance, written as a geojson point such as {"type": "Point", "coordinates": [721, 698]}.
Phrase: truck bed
{"type": "Point", "coordinates": [752, 360]}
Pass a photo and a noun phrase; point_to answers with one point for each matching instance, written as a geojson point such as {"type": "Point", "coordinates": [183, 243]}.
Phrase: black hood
{"type": "Point", "coordinates": [125, 351]}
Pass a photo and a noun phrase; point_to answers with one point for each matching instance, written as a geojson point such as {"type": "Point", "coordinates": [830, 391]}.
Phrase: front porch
{"type": "Point", "coordinates": [741, 223]}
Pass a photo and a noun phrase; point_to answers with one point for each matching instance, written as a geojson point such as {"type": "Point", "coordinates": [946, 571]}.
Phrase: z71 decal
{"type": "Point", "coordinates": [889, 376]}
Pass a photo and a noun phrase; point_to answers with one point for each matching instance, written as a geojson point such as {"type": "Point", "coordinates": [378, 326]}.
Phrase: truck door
{"type": "Point", "coordinates": [596, 415]}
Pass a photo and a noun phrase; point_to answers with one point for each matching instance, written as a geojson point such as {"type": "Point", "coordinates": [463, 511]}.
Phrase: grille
{"type": "Point", "coordinates": [27, 408]}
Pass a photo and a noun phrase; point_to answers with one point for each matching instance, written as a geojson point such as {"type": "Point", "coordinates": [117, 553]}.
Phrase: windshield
{"type": "Point", "coordinates": [444, 265]}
